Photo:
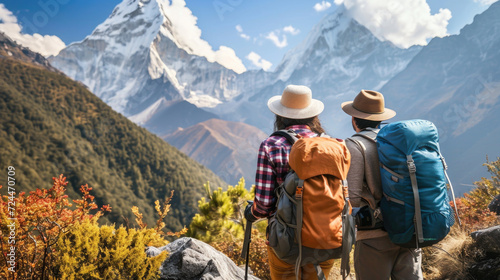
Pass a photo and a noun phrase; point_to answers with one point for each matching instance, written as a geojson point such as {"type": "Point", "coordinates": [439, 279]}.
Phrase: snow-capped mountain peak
{"type": "Point", "coordinates": [132, 26]}
{"type": "Point", "coordinates": [147, 50]}
{"type": "Point", "coordinates": [329, 27]}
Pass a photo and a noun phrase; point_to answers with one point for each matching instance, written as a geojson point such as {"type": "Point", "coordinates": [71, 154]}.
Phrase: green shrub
{"type": "Point", "coordinates": [88, 251]}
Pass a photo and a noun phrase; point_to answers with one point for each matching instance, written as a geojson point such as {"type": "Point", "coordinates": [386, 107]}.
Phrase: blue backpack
{"type": "Point", "coordinates": [415, 206]}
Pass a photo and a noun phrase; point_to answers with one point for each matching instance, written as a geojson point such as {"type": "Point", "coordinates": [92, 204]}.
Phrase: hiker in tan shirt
{"type": "Point", "coordinates": [375, 256]}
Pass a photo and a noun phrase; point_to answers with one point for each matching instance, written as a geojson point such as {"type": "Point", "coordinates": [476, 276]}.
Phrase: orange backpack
{"type": "Point", "coordinates": [312, 222]}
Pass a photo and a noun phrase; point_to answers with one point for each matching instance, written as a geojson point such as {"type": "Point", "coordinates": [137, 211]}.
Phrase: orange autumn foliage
{"type": "Point", "coordinates": [40, 218]}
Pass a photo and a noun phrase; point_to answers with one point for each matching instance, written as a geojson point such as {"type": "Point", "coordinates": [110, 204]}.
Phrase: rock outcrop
{"type": "Point", "coordinates": [494, 205]}
{"type": "Point", "coordinates": [489, 265]}
{"type": "Point", "coordinates": [191, 259]}
{"type": "Point", "coordinates": [488, 239]}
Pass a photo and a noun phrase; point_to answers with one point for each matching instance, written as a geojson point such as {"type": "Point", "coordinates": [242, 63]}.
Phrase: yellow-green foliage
{"type": "Point", "coordinates": [486, 189]}
{"type": "Point", "coordinates": [221, 222]}
{"type": "Point", "coordinates": [88, 251]}
{"type": "Point", "coordinates": [221, 213]}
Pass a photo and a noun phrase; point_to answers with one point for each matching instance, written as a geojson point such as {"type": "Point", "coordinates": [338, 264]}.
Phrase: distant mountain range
{"type": "Point", "coordinates": [144, 72]}
{"type": "Point", "coordinates": [338, 58]}
{"type": "Point", "coordinates": [51, 125]}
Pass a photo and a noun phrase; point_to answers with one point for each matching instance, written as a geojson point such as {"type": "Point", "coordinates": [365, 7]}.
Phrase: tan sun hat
{"type": "Point", "coordinates": [296, 102]}
{"type": "Point", "coordinates": [368, 105]}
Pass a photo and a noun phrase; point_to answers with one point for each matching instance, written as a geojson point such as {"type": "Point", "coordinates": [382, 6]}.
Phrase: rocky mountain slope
{"type": "Point", "coordinates": [227, 148]}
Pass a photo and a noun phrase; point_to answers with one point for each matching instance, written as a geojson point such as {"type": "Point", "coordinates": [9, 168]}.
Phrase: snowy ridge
{"type": "Point", "coordinates": [144, 116]}
{"type": "Point", "coordinates": [336, 22]}
{"type": "Point", "coordinates": [140, 20]}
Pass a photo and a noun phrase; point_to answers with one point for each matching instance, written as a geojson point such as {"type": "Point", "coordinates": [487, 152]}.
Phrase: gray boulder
{"type": "Point", "coordinates": [192, 259]}
{"type": "Point", "coordinates": [488, 239]}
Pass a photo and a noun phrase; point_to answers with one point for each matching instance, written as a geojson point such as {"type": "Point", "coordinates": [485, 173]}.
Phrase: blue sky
{"type": "Point", "coordinates": [246, 26]}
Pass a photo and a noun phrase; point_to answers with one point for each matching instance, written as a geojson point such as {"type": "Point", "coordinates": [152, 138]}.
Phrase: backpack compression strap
{"type": "Point", "coordinates": [298, 232]}
{"type": "Point", "coordinates": [416, 196]}
{"type": "Point", "coordinates": [299, 215]}
{"type": "Point", "coordinates": [348, 234]}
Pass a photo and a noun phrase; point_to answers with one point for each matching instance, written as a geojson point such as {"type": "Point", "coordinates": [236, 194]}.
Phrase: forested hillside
{"type": "Point", "coordinates": [51, 125]}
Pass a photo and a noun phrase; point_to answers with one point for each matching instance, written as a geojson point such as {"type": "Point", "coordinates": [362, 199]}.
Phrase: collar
{"type": "Point", "coordinates": [376, 130]}
{"type": "Point", "coordinates": [298, 127]}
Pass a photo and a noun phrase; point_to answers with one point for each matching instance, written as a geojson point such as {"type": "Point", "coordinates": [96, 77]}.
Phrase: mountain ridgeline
{"type": "Point", "coordinates": [51, 125]}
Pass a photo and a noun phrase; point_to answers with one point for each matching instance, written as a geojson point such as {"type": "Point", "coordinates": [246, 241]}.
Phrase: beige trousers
{"type": "Point", "coordinates": [380, 259]}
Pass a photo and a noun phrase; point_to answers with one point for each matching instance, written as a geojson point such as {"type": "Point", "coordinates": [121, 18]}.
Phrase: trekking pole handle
{"type": "Point", "coordinates": [248, 234]}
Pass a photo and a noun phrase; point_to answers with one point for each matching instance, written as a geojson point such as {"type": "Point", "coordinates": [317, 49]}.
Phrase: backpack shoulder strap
{"type": "Point", "coordinates": [289, 134]}
{"type": "Point", "coordinates": [360, 146]}
{"type": "Point", "coordinates": [368, 134]}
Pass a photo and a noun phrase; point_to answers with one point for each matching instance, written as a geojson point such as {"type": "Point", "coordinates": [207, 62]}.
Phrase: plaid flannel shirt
{"type": "Point", "coordinates": [272, 168]}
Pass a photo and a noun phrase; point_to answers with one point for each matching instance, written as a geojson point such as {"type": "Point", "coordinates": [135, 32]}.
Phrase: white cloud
{"type": "Point", "coordinates": [225, 56]}
{"type": "Point", "coordinates": [290, 29]}
{"type": "Point", "coordinates": [402, 22]}
{"type": "Point", "coordinates": [276, 40]}
{"type": "Point", "coordinates": [188, 34]}
{"type": "Point", "coordinates": [240, 31]}
{"type": "Point", "coordinates": [485, 2]}
{"type": "Point", "coordinates": [324, 5]}
{"type": "Point", "coordinates": [338, 2]}
{"type": "Point", "coordinates": [259, 61]}
{"type": "Point", "coordinates": [46, 45]}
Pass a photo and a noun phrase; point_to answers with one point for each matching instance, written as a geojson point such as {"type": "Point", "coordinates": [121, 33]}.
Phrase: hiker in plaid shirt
{"type": "Point", "coordinates": [295, 110]}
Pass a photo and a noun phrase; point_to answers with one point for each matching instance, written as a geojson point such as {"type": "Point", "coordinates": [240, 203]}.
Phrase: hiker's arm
{"type": "Point", "coordinates": [265, 178]}
{"type": "Point", "coordinates": [356, 174]}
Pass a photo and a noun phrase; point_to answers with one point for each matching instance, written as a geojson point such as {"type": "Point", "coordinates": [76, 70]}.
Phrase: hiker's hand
{"type": "Point", "coordinates": [248, 213]}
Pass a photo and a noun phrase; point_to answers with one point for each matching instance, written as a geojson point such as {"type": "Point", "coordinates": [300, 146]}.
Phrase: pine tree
{"type": "Point", "coordinates": [221, 213]}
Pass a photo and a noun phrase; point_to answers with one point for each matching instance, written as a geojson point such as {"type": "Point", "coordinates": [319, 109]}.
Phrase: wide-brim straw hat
{"type": "Point", "coordinates": [296, 102]}
{"type": "Point", "coordinates": [368, 105]}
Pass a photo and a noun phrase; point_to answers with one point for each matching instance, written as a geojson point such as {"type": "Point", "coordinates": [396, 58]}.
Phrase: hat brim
{"type": "Point", "coordinates": [314, 109]}
{"type": "Point", "coordinates": [350, 110]}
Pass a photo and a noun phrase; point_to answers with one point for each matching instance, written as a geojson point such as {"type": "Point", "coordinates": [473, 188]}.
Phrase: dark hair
{"type": "Point", "coordinates": [362, 124]}
{"type": "Point", "coordinates": [313, 123]}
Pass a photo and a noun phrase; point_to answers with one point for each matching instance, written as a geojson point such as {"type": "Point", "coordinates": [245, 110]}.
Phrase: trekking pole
{"type": "Point", "coordinates": [245, 252]}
